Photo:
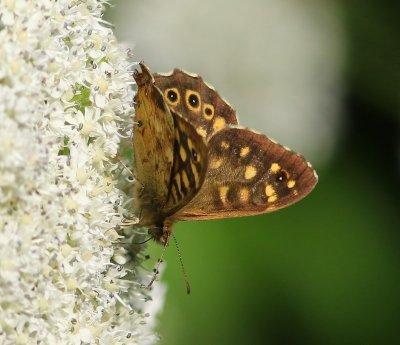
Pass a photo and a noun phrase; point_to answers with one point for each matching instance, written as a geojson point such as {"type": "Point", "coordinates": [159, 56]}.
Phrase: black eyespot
{"type": "Point", "coordinates": [208, 111]}
{"type": "Point", "coordinates": [172, 96]}
{"type": "Point", "coordinates": [281, 176]}
{"type": "Point", "coordinates": [193, 100]}
{"type": "Point", "coordinates": [194, 154]}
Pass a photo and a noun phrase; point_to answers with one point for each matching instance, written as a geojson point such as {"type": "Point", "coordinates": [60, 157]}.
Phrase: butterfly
{"type": "Point", "coordinates": [193, 161]}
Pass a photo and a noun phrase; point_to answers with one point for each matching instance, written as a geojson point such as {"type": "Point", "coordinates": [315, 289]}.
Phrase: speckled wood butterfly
{"type": "Point", "coordinates": [194, 162]}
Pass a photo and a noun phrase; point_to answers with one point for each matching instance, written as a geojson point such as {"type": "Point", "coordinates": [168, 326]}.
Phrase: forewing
{"type": "Point", "coordinates": [189, 165]}
{"type": "Point", "coordinates": [248, 174]}
{"type": "Point", "coordinates": [153, 142]}
{"type": "Point", "coordinates": [197, 101]}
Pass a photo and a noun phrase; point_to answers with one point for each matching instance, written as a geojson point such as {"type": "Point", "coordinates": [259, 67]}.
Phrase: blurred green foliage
{"type": "Point", "coordinates": [372, 31]}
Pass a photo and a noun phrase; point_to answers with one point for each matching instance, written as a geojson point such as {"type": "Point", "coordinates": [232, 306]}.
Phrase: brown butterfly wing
{"type": "Point", "coordinates": [189, 165]}
{"type": "Point", "coordinates": [170, 156]}
{"type": "Point", "coordinates": [153, 145]}
{"type": "Point", "coordinates": [197, 101]}
{"type": "Point", "coordinates": [248, 174]}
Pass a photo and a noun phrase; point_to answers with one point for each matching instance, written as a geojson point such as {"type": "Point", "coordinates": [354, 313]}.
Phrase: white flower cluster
{"type": "Point", "coordinates": [65, 97]}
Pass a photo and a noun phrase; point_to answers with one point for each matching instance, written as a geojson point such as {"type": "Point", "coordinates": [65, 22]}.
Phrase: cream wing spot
{"type": "Point", "coordinates": [201, 131]}
{"type": "Point", "coordinates": [270, 193]}
{"type": "Point", "coordinates": [223, 192]}
{"type": "Point", "coordinates": [177, 136]}
{"type": "Point", "coordinates": [291, 183]}
{"type": "Point", "coordinates": [250, 172]}
{"type": "Point", "coordinates": [215, 163]}
{"type": "Point", "coordinates": [219, 123]}
{"type": "Point", "coordinates": [225, 144]}
{"type": "Point", "coordinates": [272, 198]}
{"type": "Point", "coordinates": [182, 153]}
{"type": "Point", "coordinates": [195, 174]}
{"type": "Point", "coordinates": [244, 151]}
{"type": "Point", "coordinates": [185, 179]}
{"type": "Point", "coordinates": [269, 190]}
{"type": "Point", "coordinates": [244, 194]}
{"type": "Point", "coordinates": [177, 179]}
{"type": "Point", "coordinates": [275, 167]}
{"type": "Point", "coordinates": [190, 144]}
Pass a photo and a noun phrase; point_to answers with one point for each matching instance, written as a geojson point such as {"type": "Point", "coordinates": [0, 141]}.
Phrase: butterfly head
{"type": "Point", "coordinates": [160, 233]}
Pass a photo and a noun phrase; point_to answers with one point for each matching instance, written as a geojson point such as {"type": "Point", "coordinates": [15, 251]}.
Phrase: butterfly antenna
{"type": "Point", "coordinates": [182, 266]}
{"type": "Point", "coordinates": [160, 260]}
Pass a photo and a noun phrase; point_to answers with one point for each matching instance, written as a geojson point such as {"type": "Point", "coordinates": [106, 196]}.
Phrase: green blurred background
{"type": "Point", "coordinates": [326, 270]}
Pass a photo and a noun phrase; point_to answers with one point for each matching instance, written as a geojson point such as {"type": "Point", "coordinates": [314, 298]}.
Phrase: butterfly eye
{"type": "Point", "coordinates": [172, 96]}
{"type": "Point", "coordinates": [193, 100]}
{"type": "Point", "coordinates": [208, 111]}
